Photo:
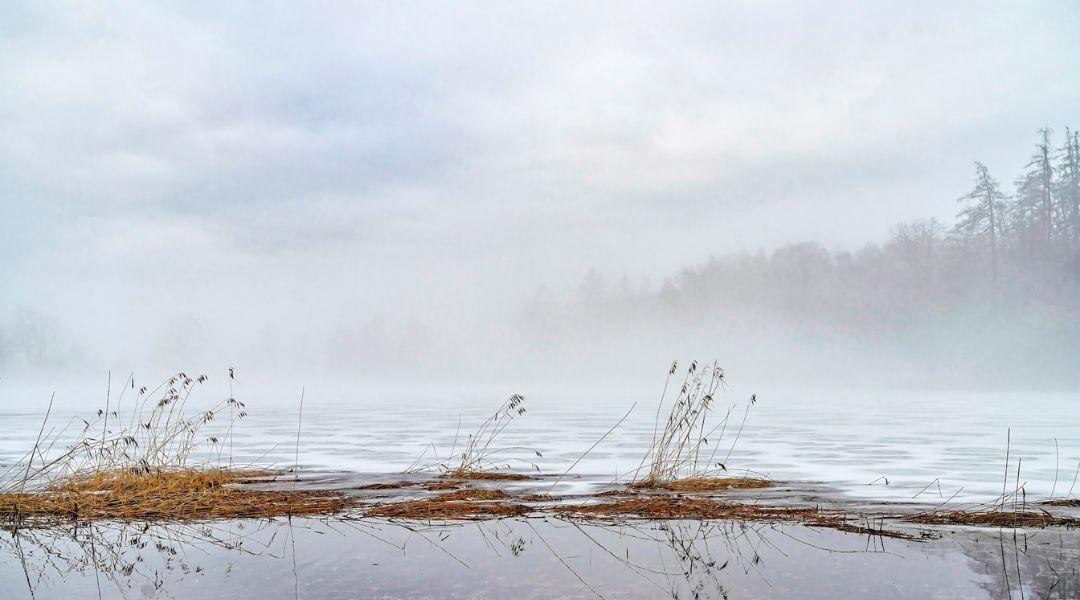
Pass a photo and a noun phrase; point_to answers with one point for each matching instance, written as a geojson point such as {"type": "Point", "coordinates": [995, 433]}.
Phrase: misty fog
{"type": "Point", "coordinates": [479, 194]}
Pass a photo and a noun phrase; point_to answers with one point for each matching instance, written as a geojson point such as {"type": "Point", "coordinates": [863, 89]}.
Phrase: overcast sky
{"type": "Point", "coordinates": [272, 164]}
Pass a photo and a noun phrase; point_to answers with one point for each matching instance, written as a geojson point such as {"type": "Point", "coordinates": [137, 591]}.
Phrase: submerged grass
{"type": "Point", "coordinates": [702, 484]}
{"type": "Point", "coordinates": [448, 510]}
{"type": "Point", "coordinates": [1064, 502]}
{"type": "Point", "coordinates": [487, 476]}
{"type": "Point", "coordinates": [995, 518]}
{"type": "Point", "coordinates": [682, 507]}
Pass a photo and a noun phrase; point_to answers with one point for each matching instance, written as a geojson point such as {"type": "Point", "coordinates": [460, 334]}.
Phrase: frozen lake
{"type": "Point", "coordinates": [927, 445]}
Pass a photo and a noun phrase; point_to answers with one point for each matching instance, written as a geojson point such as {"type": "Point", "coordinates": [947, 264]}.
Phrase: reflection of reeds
{"type": "Point", "coordinates": [123, 554]}
{"type": "Point", "coordinates": [480, 457]}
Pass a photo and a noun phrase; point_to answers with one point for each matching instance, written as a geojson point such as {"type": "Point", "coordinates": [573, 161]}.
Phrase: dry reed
{"type": "Point", "coordinates": [152, 463]}
{"type": "Point", "coordinates": [480, 457]}
{"type": "Point", "coordinates": [679, 456]}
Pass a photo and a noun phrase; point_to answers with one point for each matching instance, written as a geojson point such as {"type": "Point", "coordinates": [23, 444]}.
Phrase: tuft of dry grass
{"type": "Point", "coordinates": [686, 448]}
{"type": "Point", "coordinates": [702, 484]}
{"type": "Point", "coordinates": [1063, 502]}
{"type": "Point", "coordinates": [181, 495]}
{"type": "Point", "coordinates": [996, 518]}
{"type": "Point", "coordinates": [156, 461]}
{"type": "Point", "coordinates": [488, 476]}
{"type": "Point", "coordinates": [442, 484]}
{"type": "Point", "coordinates": [480, 457]}
{"type": "Point", "coordinates": [473, 494]}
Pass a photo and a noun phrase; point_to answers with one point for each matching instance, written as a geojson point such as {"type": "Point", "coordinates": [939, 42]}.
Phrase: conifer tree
{"type": "Point", "coordinates": [981, 218]}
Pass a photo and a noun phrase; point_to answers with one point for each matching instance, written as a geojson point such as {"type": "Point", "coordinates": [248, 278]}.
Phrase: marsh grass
{"type": "Point", "coordinates": [1010, 509]}
{"type": "Point", "coordinates": [683, 454]}
{"type": "Point", "coordinates": [481, 457]}
{"type": "Point", "coordinates": [164, 496]}
{"type": "Point", "coordinates": [154, 462]}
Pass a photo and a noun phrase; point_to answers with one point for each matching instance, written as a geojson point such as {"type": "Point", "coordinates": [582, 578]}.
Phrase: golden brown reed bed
{"type": "Point", "coordinates": [180, 495]}
{"type": "Point", "coordinates": [701, 484]}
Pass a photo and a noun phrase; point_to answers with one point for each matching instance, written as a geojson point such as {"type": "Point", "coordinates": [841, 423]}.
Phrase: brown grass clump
{"type": "Point", "coordinates": [488, 476]}
{"type": "Point", "coordinates": [676, 507]}
{"type": "Point", "coordinates": [387, 486]}
{"type": "Point", "coordinates": [702, 484]}
{"type": "Point", "coordinates": [1063, 502]}
{"type": "Point", "coordinates": [615, 493]}
{"type": "Point", "coordinates": [685, 452]}
{"type": "Point", "coordinates": [442, 484]}
{"type": "Point", "coordinates": [994, 518]}
{"type": "Point", "coordinates": [537, 498]}
{"type": "Point", "coordinates": [463, 504]}
{"type": "Point", "coordinates": [438, 509]}
{"type": "Point", "coordinates": [167, 495]}
{"type": "Point", "coordinates": [155, 461]}
{"type": "Point", "coordinates": [473, 494]}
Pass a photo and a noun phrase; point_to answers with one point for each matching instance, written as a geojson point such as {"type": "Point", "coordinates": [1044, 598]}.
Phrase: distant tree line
{"type": "Point", "coordinates": [1011, 252]}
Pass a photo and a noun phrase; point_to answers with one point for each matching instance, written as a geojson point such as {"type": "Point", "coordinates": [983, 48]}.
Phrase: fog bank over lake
{"type": "Point", "coordinates": [532, 195]}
